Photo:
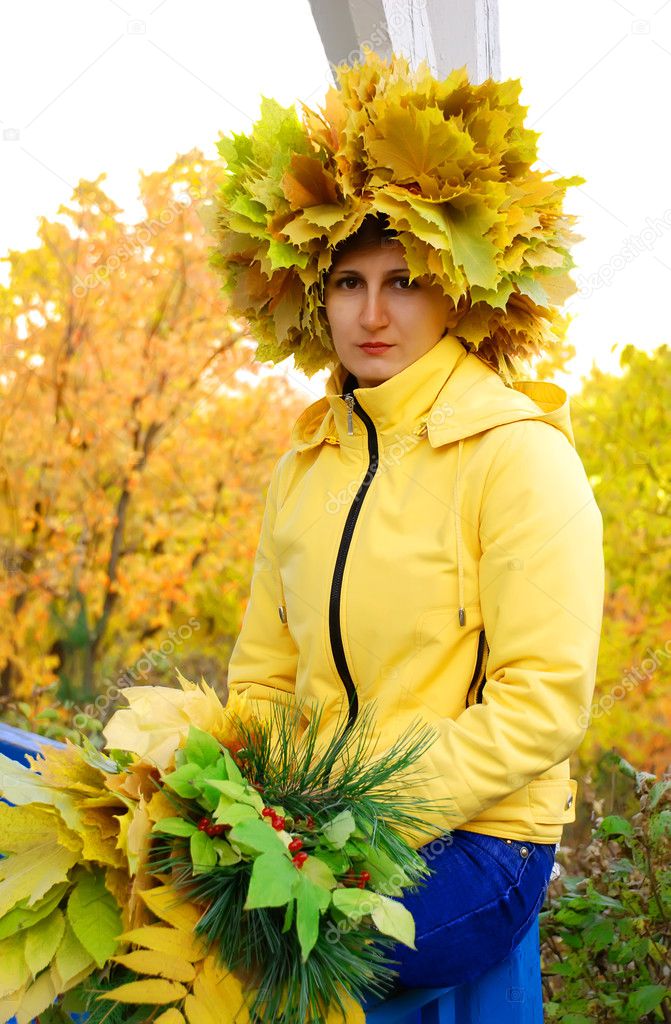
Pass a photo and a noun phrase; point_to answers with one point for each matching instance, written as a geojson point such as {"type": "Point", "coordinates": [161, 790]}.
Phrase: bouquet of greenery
{"type": "Point", "coordinates": [213, 866]}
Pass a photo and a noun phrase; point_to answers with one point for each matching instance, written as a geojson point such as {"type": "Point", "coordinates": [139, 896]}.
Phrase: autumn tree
{"type": "Point", "coordinates": [623, 434]}
{"type": "Point", "coordinates": [135, 451]}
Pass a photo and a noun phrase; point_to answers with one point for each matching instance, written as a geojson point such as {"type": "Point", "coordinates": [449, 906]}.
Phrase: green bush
{"type": "Point", "coordinates": [606, 932]}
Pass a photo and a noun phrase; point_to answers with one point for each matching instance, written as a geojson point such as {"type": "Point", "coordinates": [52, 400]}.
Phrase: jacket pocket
{"type": "Point", "coordinates": [479, 677]}
{"type": "Point", "coordinates": [552, 801]}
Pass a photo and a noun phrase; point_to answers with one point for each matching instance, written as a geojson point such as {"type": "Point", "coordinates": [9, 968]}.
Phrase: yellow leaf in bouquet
{"type": "Point", "coordinates": [158, 719]}
{"type": "Point", "coordinates": [118, 885]}
{"type": "Point", "coordinates": [139, 780]}
{"type": "Point", "coordinates": [33, 872]}
{"type": "Point", "coordinates": [164, 965]}
{"type": "Point", "coordinates": [151, 990]}
{"type": "Point", "coordinates": [22, 827]}
{"type": "Point", "coordinates": [72, 962]}
{"type": "Point", "coordinates": [42, 941]}
{"type": "Point", "coordinates": [199, 1013]}
{"type": "Point", "coordinates": [160, 806]}
{"type": "Point", "coordinates": [166, 940]}
{"type": "Point", "coordinates": [220, 992]}
{"type": "Point", "coordinates": [354, 1013]}
{"type": "Point", "coordinates": [171, 1016]}
{"type": "Point", "coordinates": [96, 845]}
{"type": "Point", "coordinates": [165, 903]}
{"type": "Point", "coordinates": [66, 768]}
{"type": "Point", "coordinates": [36, 998]}
{"type": "Point", "coordinates": [15, 971]}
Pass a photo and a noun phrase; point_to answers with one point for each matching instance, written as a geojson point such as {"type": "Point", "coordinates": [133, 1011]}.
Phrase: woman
{"type": "Point", "coordinates": [431, 543]}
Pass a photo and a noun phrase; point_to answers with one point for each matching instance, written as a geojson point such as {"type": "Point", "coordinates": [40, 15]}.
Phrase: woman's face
{"type": "Point", "coordinates": [370, 300]}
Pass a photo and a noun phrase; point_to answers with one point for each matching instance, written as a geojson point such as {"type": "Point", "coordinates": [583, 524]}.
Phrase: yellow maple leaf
{"type": "Point", "coordinates": [66, 768]}
{"type": "Point", "coordinates": [22, 827]}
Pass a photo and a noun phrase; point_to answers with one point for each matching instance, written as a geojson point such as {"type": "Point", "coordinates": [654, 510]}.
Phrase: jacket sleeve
{"type": "Point", "coordinates": [264, 657]}
{"type": "Point", "coordinates": [541, 584]}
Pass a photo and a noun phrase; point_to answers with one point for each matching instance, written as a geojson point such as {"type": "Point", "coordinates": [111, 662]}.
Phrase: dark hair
{"type": "Point", "coordinates": [373, 232]}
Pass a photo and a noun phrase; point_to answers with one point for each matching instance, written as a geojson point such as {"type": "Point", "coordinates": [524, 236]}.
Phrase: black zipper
{"type": "Point", "coordinates": [335, 631]}
{"type": "Point", "coordinates": [479, 677]}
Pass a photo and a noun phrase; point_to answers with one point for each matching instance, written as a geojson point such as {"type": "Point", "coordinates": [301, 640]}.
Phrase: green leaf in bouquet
{"type": "Point", "coordinates": [203, 852]}
{"type": "Point", "coordinates": [319, 872]}
{"type": "Point", "coordinates": [258, 836]}
{"type": "Point", "coordinates": [22, 916]}
{"type": "Point", "coordinates": [394, 919]}
{"type": "Point", "coordinates": [385, 875]}
{"type": "Point", "coordinates": [209, 794]}
{"type": "Point", "coordinates": [185, 780]}
{"type": "Point", "coordinates": [43, 940]}
{"type": "Point", "coordinates": [201, 748]}
{"type": "Point", "coordinates": [289, 916]}
{"type": "Point", "coordinates": [311, 901]}
{"type": "Point", "coordinates": [238, 793]}
{"type": "Point", "coordinates": [336, 860]}
{"type": "Point", "coordinates": [228, 813]}
{"type": "Point", "coordinates": [175, 827]}
{"type": "Point", "coordinates": [94, 916]}
{"type": "Point", "coordinates": [356, 903]}
{"type": "Point", "coordinates": [226, 855]}
{"type": "Point", "coordinates": [339, 829]}
{"type": "Point", "coordinates": [232, 770]}
{"type": "Point", "coordinates": [272, 882]}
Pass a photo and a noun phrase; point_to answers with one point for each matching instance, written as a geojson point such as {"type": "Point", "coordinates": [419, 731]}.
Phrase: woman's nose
{"type": "Point", "coordinates": [373, 313]}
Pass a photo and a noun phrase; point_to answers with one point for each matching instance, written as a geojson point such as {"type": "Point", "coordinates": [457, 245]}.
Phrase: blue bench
{"type": "Point", "coordinates": [509, 993]}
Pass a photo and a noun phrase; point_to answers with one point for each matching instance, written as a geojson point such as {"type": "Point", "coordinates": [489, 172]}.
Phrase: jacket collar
{"type": "Point", "coordinates": [448, 393]}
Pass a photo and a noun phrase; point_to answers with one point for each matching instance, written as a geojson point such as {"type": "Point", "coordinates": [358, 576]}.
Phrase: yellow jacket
{"type": "Point", "coordinates": [433, 544]}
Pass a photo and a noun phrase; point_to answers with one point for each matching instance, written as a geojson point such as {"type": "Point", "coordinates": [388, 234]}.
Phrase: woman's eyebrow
{"type": "Point", "coordinates": [396, 270]}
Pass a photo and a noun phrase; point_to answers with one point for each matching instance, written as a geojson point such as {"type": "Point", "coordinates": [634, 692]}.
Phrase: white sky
{"type": "Point", "coordinates": [96, 85]}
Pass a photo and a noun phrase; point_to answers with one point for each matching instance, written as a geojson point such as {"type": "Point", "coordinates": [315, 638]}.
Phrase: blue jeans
{"type": "Point", "coordinates": [483, 896]}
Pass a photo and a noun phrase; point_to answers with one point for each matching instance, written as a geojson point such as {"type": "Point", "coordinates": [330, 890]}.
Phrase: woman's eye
{"type": "Point", "coordinates": [406, 283]}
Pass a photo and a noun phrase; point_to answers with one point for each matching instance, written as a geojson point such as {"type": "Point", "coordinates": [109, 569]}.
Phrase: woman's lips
{"type": "Point", "coordinates": [374, 349]}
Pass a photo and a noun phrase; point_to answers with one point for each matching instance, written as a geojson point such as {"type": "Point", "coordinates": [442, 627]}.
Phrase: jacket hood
{"type": "Point", "coordinates": [448, 393]}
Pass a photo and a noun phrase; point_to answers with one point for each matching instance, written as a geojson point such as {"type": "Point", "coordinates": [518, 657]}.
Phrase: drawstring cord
{"type": "Point", "coordinates": [457, 526]}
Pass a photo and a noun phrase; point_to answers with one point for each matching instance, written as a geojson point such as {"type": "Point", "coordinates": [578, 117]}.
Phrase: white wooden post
{"type": "Point", "coordinates": [445, 33]}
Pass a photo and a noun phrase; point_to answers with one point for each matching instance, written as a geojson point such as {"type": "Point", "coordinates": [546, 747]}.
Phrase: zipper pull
{"type": "Point", "coordinates": [350, 405]}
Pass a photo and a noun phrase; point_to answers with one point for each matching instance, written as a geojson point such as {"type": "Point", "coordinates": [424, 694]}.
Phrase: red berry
{"type": "Point", "coordinates": [211, 830]}
{"type": "Point", "coordinates": [299, 859]}
{"type": "Point", "coordinates": [365, 876]}
{"type": "Point", "coordinates": [219, 830]}
{"type": "Point", "coordinates": [279, 823]}
{"type": "Point", "coordinates": [203, 823]}
{"type": "Point", "coordinates": [295, 845]}
{"type": "Point", "coordinates": [268, 812]}
{"type": "Point", "coordinates": [361, 884]}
